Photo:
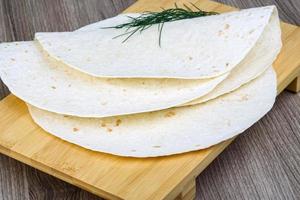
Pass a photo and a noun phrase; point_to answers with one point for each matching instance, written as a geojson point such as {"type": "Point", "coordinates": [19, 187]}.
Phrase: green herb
{"type": "Point", "coordinates": [147, 19]}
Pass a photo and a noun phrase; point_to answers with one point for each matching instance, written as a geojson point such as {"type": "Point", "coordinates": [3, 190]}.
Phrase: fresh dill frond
{"type": "Point", "coordinates": [147, 19]}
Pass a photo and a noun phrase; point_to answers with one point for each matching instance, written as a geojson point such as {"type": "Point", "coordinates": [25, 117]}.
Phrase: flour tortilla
{"type": "Point", "coordinates": [57, 88]}
{"type": "Point", "coordinates": [195, 48]}
{"type": "Point", "coordinates": [256, 62]}
{"type": "Point", "coordinates": [167, 132]}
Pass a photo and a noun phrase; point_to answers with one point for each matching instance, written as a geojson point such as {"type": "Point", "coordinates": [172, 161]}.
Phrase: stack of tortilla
{"type": "Point", "coordinates": [209, 80]}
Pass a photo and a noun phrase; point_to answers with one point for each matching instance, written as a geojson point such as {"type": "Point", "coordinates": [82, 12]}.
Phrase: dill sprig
{"type": "Point", "coordinates": [148, 19]}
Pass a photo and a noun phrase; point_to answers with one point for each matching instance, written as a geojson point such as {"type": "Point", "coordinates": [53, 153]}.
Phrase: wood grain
{"type": "Point", "coordinates": [289, 10]}
{"type": "Point", "coordinates": [295, 85]}
{"type": "Point", "coordinates": [262, 163]}
{"type": "Point", "coordinates": [36, 185]}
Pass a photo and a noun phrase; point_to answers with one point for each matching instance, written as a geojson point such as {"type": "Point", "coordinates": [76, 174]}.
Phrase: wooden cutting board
{"type": "Point", "coordinates": [116, 177]}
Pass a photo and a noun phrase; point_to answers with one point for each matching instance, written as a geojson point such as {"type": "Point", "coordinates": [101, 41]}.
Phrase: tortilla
{"type": "Point", "coordinates": [256, 62]}
{"type": "Point", "coordinates": [52, 86]}
{"type": "Point", "coordinates": [160, 133]}
{"type": "Point", "coordinates": [197, 48]}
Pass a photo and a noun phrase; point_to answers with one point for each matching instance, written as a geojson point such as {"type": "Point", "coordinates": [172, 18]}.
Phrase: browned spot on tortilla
{"type": "Point", "coordinates": [118, 122]}
{"type": "Point", "coordinates": [190, 58]}
{"type": "Point", "coordinates": [170, 114]}
{"type": "Point", "coordinates": [53, 87]}
{"type": "Point", "coordinates": [228, 122]}
{"type": "Point", "coordinates": [245, 97]}
{"type": "Point", "coordinates": [226, 26]}
{"type": "Point", "coordinates": [143, 83]}
{"type": "Point", "coordinates": [53, 78]}
{"type": "Point", "coordinates": [250, 32]}
{"type": "Point", "coordinates": [75, 129]}
{"type": "Point", "coordinates": [65, 116]}
{"type": "Point", "coordinates": [103, 124]}
{"type": "Point", "coordinates": [109, 130]}
{"type": "Point", "coordinates": [156, 146]}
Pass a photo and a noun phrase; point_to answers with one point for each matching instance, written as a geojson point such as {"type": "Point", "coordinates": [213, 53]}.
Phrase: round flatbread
{"type": "Point", "coordinates": [197, 48]}
{"type": "Point", "coordinates": [170, 131]}
{"type": "Point", "coordinates": [52, 86]}
{"type": "Point", "coordinates": [254, 64]}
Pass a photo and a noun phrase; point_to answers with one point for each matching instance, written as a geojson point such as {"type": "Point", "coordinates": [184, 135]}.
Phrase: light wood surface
{"type": "Point", "coordinates": [295, 85]}
{"type": "Point", "coordinates": [262, 163]}
{"type": "Point", "coordinates": [105, 175]}
{"type": "Point", "coordinates": [171, 175]}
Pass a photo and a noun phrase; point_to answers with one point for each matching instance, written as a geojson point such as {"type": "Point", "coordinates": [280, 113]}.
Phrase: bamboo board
{"type": "Point", "coordinates": [115, 177]}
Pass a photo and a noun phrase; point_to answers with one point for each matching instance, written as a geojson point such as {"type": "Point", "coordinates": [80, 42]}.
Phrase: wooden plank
{"type": "Point", "coordinates": [294, 86]}
{"type": "Point", "coordinates": [188, 192]}
{"type": "Point", "coordinates": [289, 11]}
{"type": "Point", "coordinates": [111, 176]}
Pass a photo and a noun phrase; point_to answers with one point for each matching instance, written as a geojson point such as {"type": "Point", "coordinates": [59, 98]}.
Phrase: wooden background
{"type": "Point", "coordinates": [262, 163]}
